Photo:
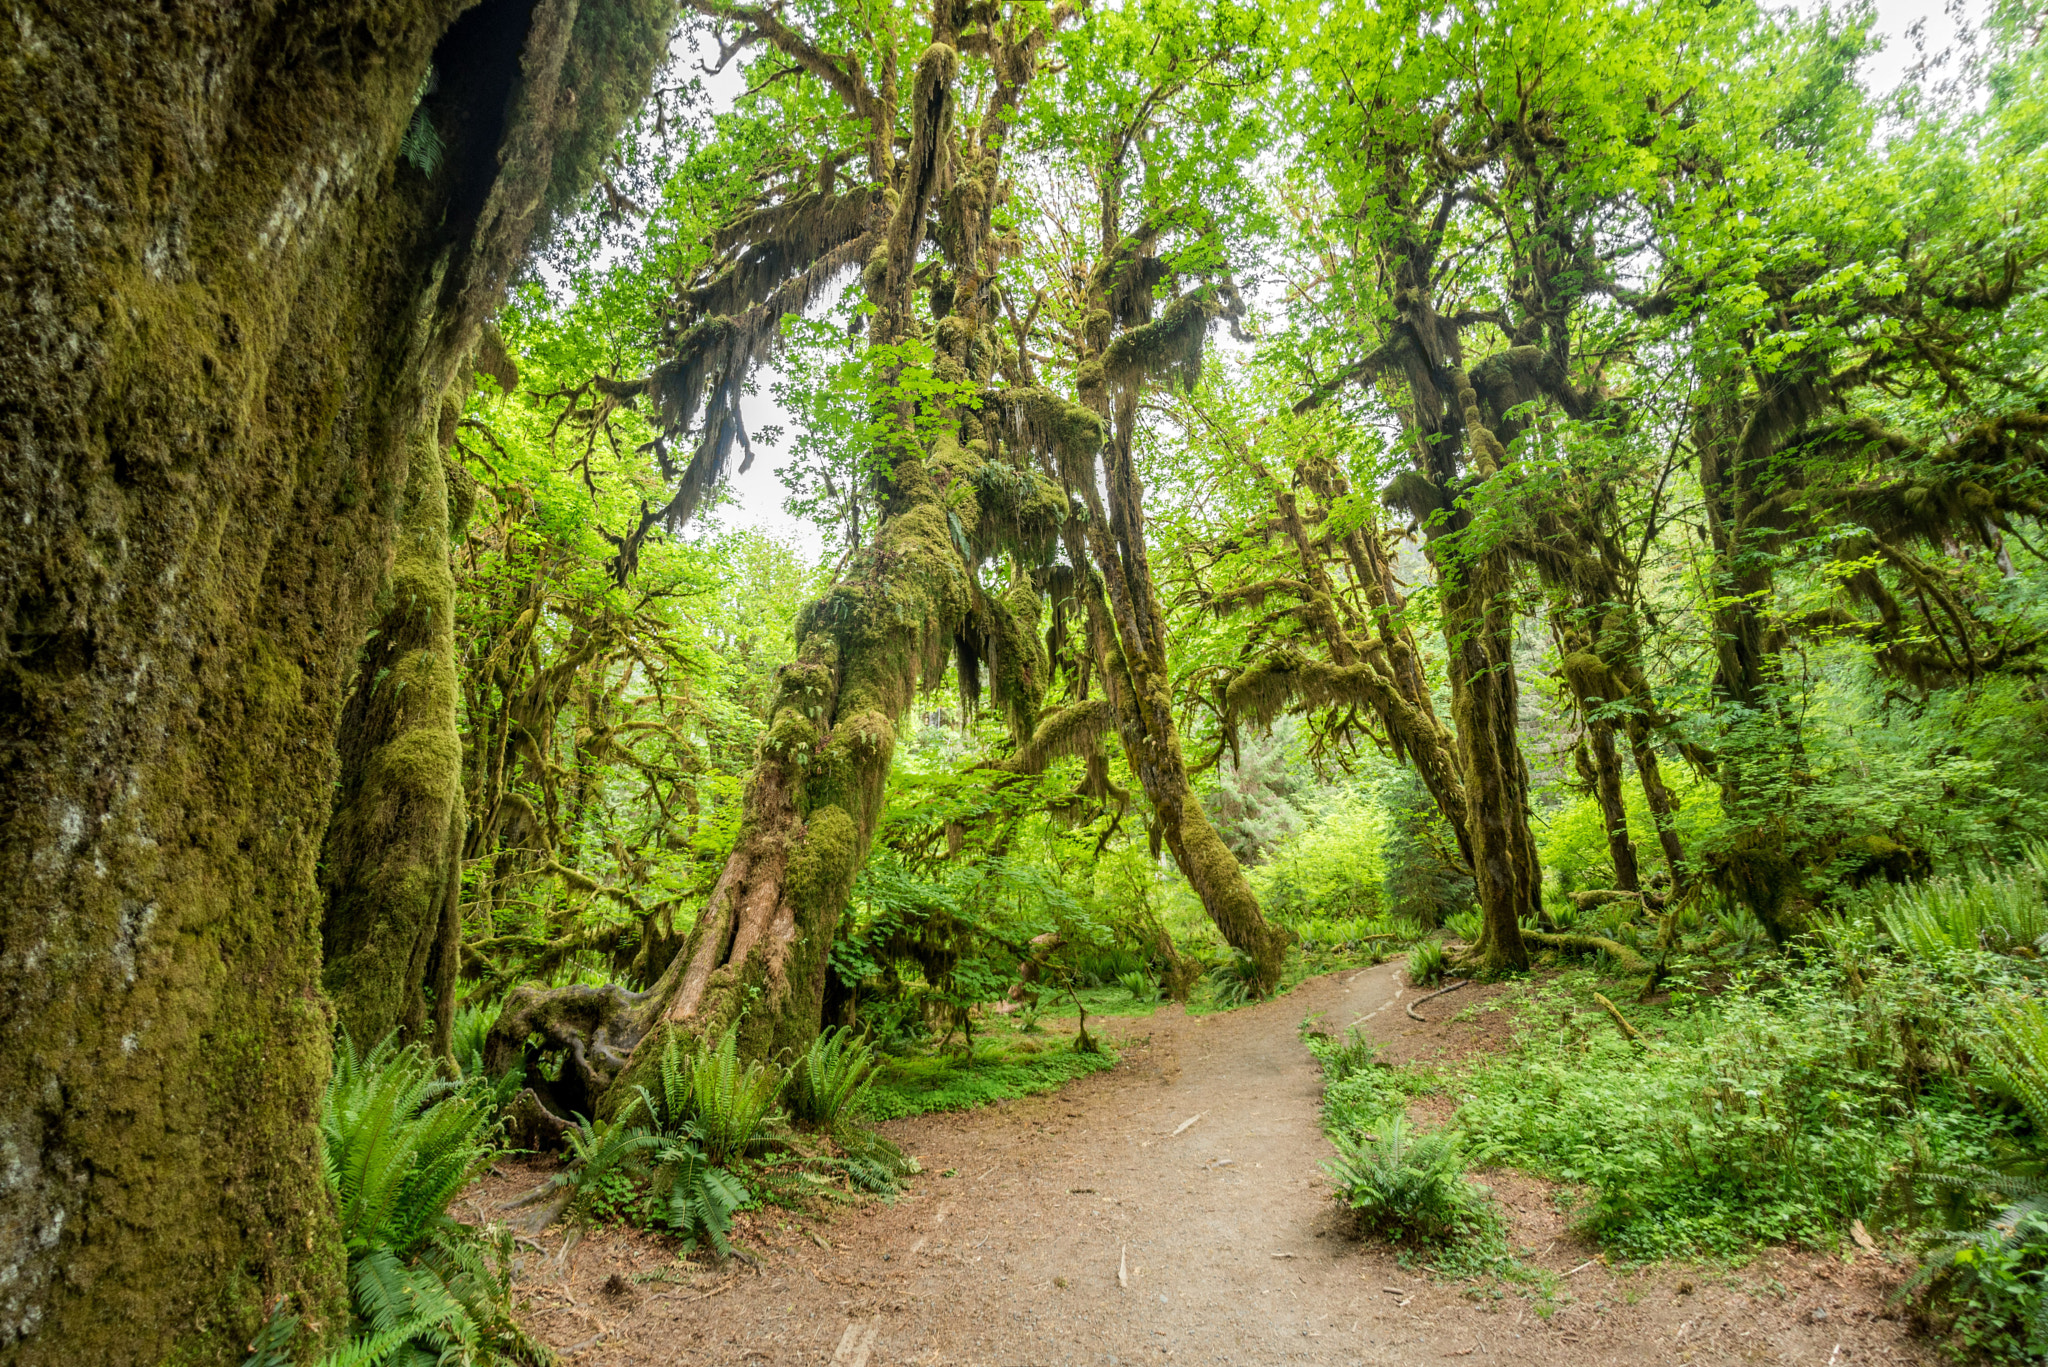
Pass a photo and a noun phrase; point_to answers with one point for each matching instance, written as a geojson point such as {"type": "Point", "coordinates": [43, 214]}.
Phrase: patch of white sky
{"type": "Point", "coordinates": [1912, 32]}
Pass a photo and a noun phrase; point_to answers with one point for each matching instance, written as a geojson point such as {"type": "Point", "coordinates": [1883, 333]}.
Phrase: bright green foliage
{"type": "Point", "coordinates": [1140, 984]}
{"type": "Point", "coordinates": [699, 1197]}
{"type": "Point", "coordinates": [2018, 1059]}
{"type": "Point", "coordinates": [1777, 1110]}
{"type": "Point", "coordinates": [1401, 1184]}
{"type": "Point", "coordinates": [913, 1086]}
{"type": "Point", "coordinates": [872, 1161]}
{"type": "Point", "coordinates": [399, 1144]}
{"type": "Point", "coordinates": [604, 1156]}
{"type": "Point", "coordinates": [1331, 868]}
{"type": "Point", "coordinates": [828, 1078]}
{"type": "Point", "coordinates": [707, 1095]}
{"type": "Point", "coordinates": [1426, 963]}
{"type": "Point", "coordinates": [1406, 1185]}
{"type": "Point", "coordinates": [1234, 980]}
{"type": "Point", "coordinates": [1991, 1284]}
{"type": "Point", "coordinates": [729, 1101]}
{"type": "Point", "coordinates": [1357, 1087]}
{"type": "Point", "coordinates": [2004, 911]}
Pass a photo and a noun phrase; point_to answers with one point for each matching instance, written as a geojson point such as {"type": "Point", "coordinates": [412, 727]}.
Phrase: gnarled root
{"type": "Point", "coordinates": [595, 1029]}
{"type": "Point", "coordinates": [529, 1124]}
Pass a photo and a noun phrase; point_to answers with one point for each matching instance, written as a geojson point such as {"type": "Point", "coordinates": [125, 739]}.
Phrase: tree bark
{"type": "Point", "coordinates": [1613, 809]}
{"type": "Point", "coordinates": [229, 305]}
{"type": "Point", "coordinates": [1663, 807]}
{"type": "Point", "coordinates": [384, 868]}
{"type": "Point", "coordinates": [1479, 636]}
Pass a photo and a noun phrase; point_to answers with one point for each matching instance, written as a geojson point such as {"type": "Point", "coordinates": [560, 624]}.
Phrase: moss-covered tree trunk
{"type": "Point", "coordinates": [1478, 624]}
{"type": "Point", "coordinates": [1657, 796]}
{"type": "Point", "coordinates": [229, 304]}
{"type": "Point", "coordinates": [385, 866]}
{"type": "Point", "coordinates": [756, 958]}
{"type": "Point", "coordinates": [1607, 787]}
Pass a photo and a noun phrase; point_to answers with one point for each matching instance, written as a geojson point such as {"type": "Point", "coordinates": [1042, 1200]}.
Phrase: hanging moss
{"type": "Point", "coordinates": [1169, 348]}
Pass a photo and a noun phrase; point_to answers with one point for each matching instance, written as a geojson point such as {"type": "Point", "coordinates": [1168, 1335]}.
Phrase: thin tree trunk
{"type": "Point", "coordinates": [1613, 809]}
{"type": "Point", "coordinates": [1658, 797]}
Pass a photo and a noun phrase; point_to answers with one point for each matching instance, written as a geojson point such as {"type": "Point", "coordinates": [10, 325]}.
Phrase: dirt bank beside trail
{"type": "Point", "coordinates": [1097, 1226]}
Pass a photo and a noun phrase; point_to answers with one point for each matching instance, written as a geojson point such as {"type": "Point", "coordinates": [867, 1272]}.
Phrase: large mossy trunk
{"type": "Point", "coordinates": [386, 864]}
{"type": "Point", "coordinates": [230, 303]}
{"type": "Point", "coordinates": [1478, 617]}
{"type": "Point", "coordinates": [1478, 634]}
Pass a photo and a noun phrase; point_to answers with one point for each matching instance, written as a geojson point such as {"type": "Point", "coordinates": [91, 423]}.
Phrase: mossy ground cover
{"type": "Point", "coordinates": [1758, 1109]}
{"type": "Point", "coordinates": [997, 1069]}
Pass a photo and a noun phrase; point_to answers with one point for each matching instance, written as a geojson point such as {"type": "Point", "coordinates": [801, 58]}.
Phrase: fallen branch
{"type": "Point", "coordinates": [1410, 1006]}
{"type": "Point", "coordinates": [1574, 943]}
{"type": "Point", "coordinates": [1619, 1019]}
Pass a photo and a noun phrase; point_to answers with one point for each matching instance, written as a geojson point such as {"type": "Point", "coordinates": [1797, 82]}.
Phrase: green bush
{"type": "Point", "coordinates": [398, 1144]}
{"type": "Point", "coordinates": [1340, 1059]}
{"type": "Point", "coordinates": [1405, 1185]}
{"type": "Point", "coordinates": [1771, 1113]}
{"type": "Point", "coordinates": [1991, 1284]}
{"type": "Point", "coordinates": [1329, 869]}
{"type": "Point", "coordinates": [915, 1086]}
{"type": "Point", "coordinates": [1142, 986]}
{"type": "Point", "coordinates": [1235, 980]}
{"type": "Point", "coordinates": [2001, 911]}
{"type": "Point", "coordinates": [828, 1078]}
{"type": "Point", "coordinates": [729, 1102]}
{"type": "Point", "coordinates": [1357, 1087]}
{"type": "Point", "coordinates": [1426, 963]}
{"type": "Point", "coordinates": [697, 1196]}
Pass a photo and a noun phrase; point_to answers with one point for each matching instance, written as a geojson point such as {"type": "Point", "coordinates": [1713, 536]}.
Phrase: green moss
{"type": "Point", "coordinates": [916, 1086]}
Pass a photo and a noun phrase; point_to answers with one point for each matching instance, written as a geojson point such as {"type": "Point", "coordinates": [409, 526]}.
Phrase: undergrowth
{"type": "Point", "coordinates": [994, 1071]}
{"type": "Point", "coordinates": [1778, 1109]}
{"type": "Point", "coordinates": [1401, 1184]}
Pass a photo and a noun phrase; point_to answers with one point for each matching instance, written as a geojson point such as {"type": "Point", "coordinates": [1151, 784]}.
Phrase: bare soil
{"type": "Point", "coordinates": [1096, 1225]}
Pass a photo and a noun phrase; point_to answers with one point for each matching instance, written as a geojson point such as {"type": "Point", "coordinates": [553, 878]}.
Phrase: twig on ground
{"type": "Point", "coordinates": [1410, 1007]}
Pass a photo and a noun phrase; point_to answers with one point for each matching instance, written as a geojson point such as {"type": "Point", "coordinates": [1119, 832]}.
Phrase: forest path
{"type": "Point", "coordinates": [1229, 1247]}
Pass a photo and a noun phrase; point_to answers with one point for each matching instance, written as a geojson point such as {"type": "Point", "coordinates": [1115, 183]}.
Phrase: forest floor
{"type": "Point", "coordinates": [1097, 1225]}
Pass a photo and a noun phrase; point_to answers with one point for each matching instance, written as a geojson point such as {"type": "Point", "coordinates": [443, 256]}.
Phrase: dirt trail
{"type": "Point", "coordinates": [1095, 1226]}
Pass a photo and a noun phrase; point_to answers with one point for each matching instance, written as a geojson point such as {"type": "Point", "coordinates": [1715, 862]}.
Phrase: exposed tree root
{"type": "Point", "coordinates": [1410, 1007]}
{"type": "Point", "coordinates": [595, 1029]}
{"type": "Point", "coordinates": [1590, 944]}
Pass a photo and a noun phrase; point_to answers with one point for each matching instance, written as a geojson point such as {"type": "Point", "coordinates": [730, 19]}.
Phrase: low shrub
{"type": "Point", "coordinates": [1235, 981]}
{"type": "Point", "coordinates": [1778, 1111]}
{"type": "Point", "coordinates": [1426, 963]}
{"type": "Point", "coordinates": [1142, 986]}
{"type": "Point", "coordinates": [398, 1143]}
{"type": "Point", "coordinates": [915, 1086]}
{"type": "Point", "coordinates": [827, 1079]}
{"type": "Point", "coordinates": [1406, 1185]}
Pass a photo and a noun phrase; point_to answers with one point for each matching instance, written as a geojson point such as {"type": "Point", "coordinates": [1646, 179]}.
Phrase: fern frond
{"type": "Point", "coordinates": [2019, 1056]}
{"type": "Point", "coordinates": [829, 1077]}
